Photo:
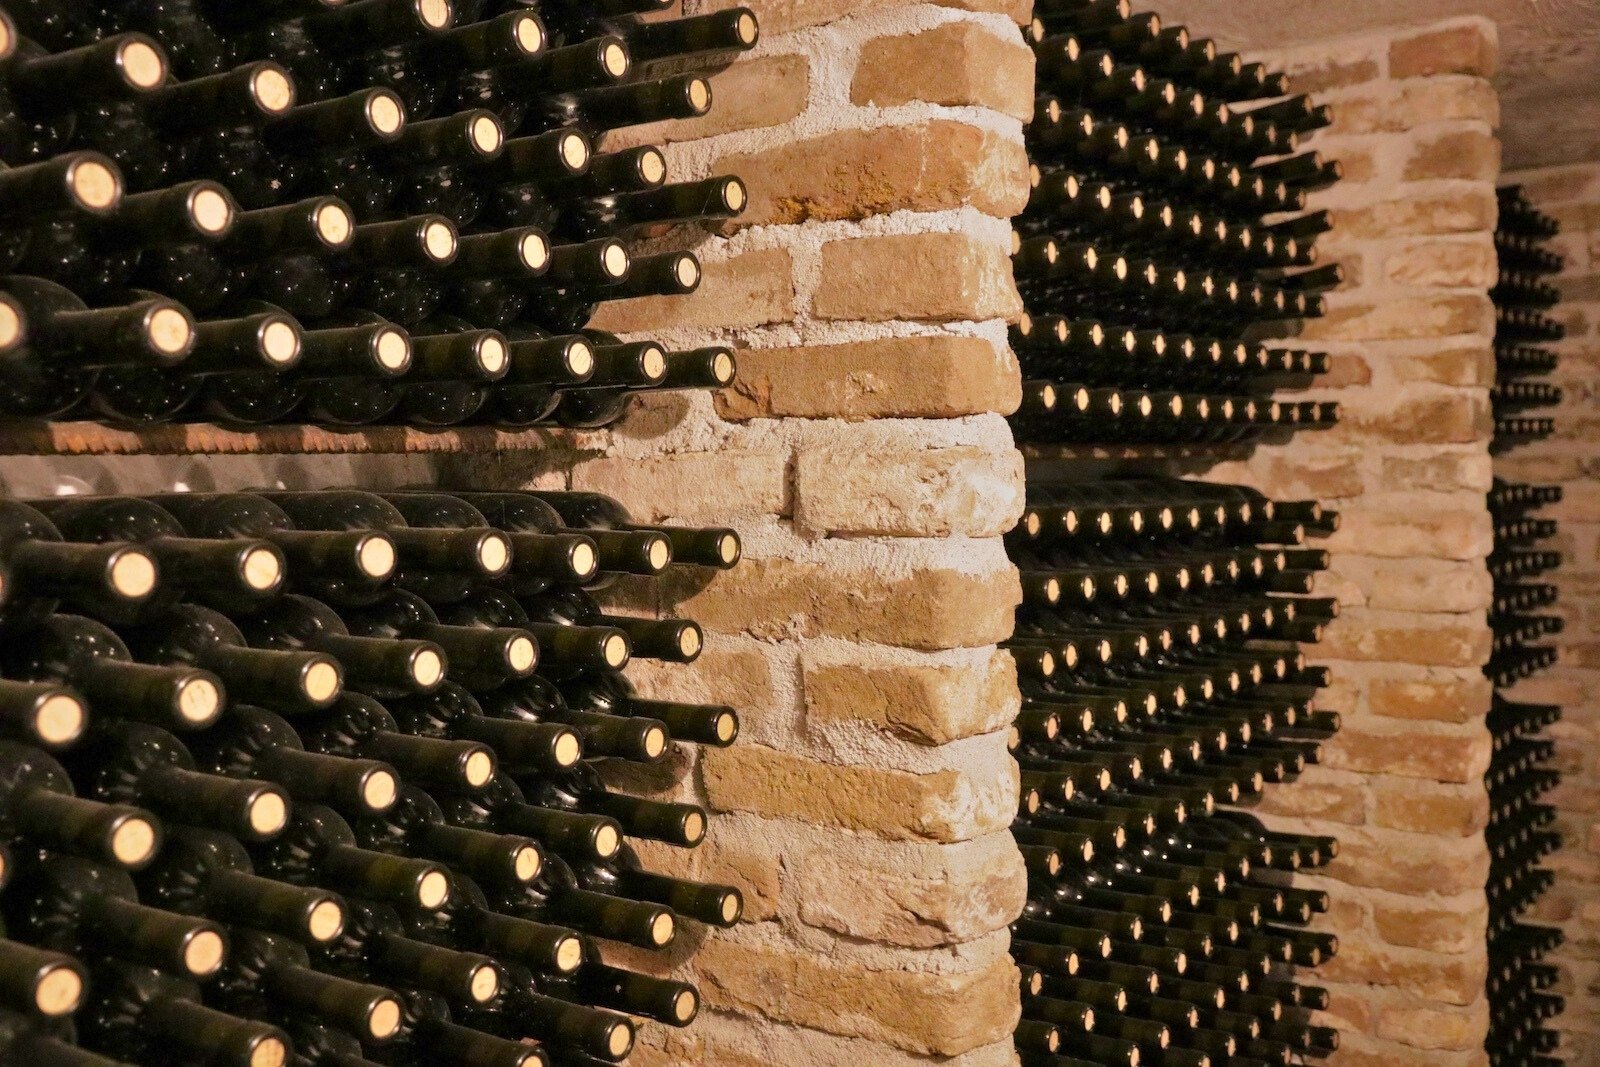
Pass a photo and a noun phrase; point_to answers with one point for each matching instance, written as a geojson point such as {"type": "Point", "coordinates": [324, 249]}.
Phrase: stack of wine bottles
{"type": "Point", "coordinates": [308, 778]}
{"type": "Point", "coordinates": [1163, 689]}
{"type": "Point", "coordinates": [1161, 256]}
{"type": "Point", "coordinates": [344, 211]}
{"type": "Point", "coordinates": [1522, 299]}
{"type": "Point", "coordinates": [1164, 256]}
{"type": "Point", "coordinates": [1521, 829]}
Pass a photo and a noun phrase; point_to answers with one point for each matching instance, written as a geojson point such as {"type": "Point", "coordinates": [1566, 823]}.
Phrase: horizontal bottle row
{"type": "Point", "coordinates": [264, 366]}
{"type": "Point", "coordinates": [1091, 352]}
{"type": "Point", "coordinates": [1073, 413]}
{"type": "Point", "coordinates": [236, 551]}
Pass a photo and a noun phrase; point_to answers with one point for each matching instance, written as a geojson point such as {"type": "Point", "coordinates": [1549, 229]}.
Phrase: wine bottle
{"type": "Point", "coordinates": [337, 565]}
{"type": "Point", "coordinates": [211, 569]}
{"type": "Point", "coordinates": [374, 942]}
{"type": "Point", "coordinates": [480, 657]}
{"type": "Point", "coordinates": [133, 763]}
{"type": "Point", "coordinates": [140, 1013]}
{"type": "Point", "coordinates": [255, 743]}
{"type": "Point", "coordinates": [38, 981]}
{"type": "Point", "coordinates": [501, 807]}
{"type": "Point", "coordinates": [375, 665]}
{"type": "Point", "coordinates": [451, 712]}
{"type": "Point", "coordinates": [81, 907]}
{"type": "Point", "coordinates": [416, 824]}
{"type": "Point", "coordinates": [358, 726]}
{"type": "Point", "coordinates": [206, 873]}
{"type": "Point", "coordinates": [79, 652]}
{"type": "Point", "coordinates": [268, 976]}
{"type": "Point", "coordinates": [318, 847]}
{"type": "Point", "coordinates": [466, 919]}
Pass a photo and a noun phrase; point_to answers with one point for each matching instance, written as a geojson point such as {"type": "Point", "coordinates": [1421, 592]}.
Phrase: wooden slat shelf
{"type": "Point", "coordinates": [94, 439]}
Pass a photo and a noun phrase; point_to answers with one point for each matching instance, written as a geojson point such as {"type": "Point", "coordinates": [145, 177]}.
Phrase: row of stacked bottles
{"type": "Point", "coordinates": [1164, 257]}
{"type": "Point", "coordinates": [344, 211]}
{"type": "Point", "coordinates": [1521, 832]}
{"type": "Point", "coordinates": [309, 778]}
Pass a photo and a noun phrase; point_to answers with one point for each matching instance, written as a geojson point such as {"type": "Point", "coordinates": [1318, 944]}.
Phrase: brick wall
{"type": "Point", "coordinates": [864, 456]}
{"type": "Point", "coordinates": [1572, 194]}
{"type": "Point", "coordinates": [1411, 334]}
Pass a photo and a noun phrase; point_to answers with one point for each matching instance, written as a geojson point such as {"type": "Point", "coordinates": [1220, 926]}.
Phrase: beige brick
{"type": "Point", "coordinates": [1427, 808]}
{"type": "Point", "coordinates": [943, 806]}
{"type": "Point", "coordinates": [1471, 154]}
{"type": "Point", "coordinates": [1333, 74]}
{"type": "Point", "coordinates": [1435, 1028]}
{"type": "Point", "coordinates": [752, 94]}
{"type": "Point", "coordinates": [776, 598]}
{"type": "Point", "coordinates": [784, 16]}
{"type": "Point", "coordinates": [924, 704]}
{"type": "Point", "coordinates": [1444, 264]}
{"type": "Point", "coordinates": [1320, 795]}
{"type": "Point", "coordinates": [1570, 184]}
{"type": "Point", "coordinates": [1436, 926]}
{"type": "Point", "coordinates": [1396, 637]}
{"type": "Point", "coordinates": [1421, 417]}
{"type": "Point", "coordinates": [1347, 369]}
{"type": "Point", "coordinates": [853, 174]}
{"type": "Point", "coordinates": [750, 289]}
{"type": "Point", "coordinates": [1428, 699]}
{"type": "Point", "coordinates": [730, 1040]}
{"type": "Point", "coordinates": [691, 486]}
{"type": "Point", "coordinates": [1360, 1050]}
{"type": "Point", "coordinates": [1419, 584]}
{"type": "Point", "coordinates": [1461, 365]}
{"type": "Point", "coordinates": [927, 1012]}
{"type": "Point", "coordinates": [1411, 213]}
{"type": "Point", "coordinates": [724, 858]}
{"type": "Point", "coordinates": [862, 487]}
{"type": "Point", "coordinates": [1391, 107]}
{"type": "Point", "coordinates": [1443, 531]}
{"type": "Point", "coordinates": [1412, 864]}
{"type": "Point", "coordinates": [1410, 752]}
{"type": "Point", "coordinates": [1404, 319]}
{"type": "Point", "coordinates": [939, 277]}
{"type": "Point", "coordinates": [942, 896]}
{"type": "Point", "coordinates": [958, 63]}
{"type": "Point", "coordinates": [726, 673]}
{"type": "Point", "coordinates": [934, 377]}
{"type": "Point", "coordinates": [1467, 48]}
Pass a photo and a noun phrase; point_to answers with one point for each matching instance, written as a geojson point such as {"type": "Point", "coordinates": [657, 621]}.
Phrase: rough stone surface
{"type": "Point", "coordinates": [934, 277]}
{"type": "Point", "coordinates": [938, 376]}
{"type": "Point", "coordinates": [957, 63]}
{"type": "Point", "coordinates": [852, 174]}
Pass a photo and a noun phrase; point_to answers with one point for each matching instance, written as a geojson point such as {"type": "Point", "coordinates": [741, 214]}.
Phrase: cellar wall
{"type": "Point", "coordinates": [1572, 195]}
{"type": "Point", "coordinates": [1408, 468]}
{"type": "Point", "coordinates": [864, 456]}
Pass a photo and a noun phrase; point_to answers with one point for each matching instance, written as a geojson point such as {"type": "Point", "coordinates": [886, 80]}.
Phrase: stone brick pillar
{"type": "Point", "coordinates": [1411, 334]}
{"type": "Point", "coordinates": [864, 456]}
{"type": "Point", "coordinates": [1572, 194]}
